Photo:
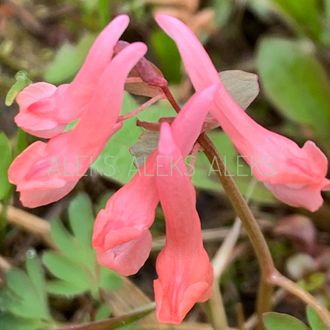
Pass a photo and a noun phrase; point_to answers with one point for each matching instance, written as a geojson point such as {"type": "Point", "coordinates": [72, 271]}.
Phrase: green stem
{"type": "Point", "coordinates": [240, 206]}
{"type": "Point", "coordinates": [269, 274]}
{"type": "Point", "coordinates": [114, 322]}
{"type": "Point", "coordinates": [250, 224]}
{"type": "Point", "coordinates": [283, 282]}
{"type": "Point", "coordinates": [217, 309]}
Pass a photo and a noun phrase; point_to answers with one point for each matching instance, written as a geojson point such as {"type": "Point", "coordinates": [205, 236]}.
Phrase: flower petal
{"type": "Point", "coordinates": [133, 206]}
{"type": "Point", "coordinates": [66, 157]}
{"type": "Point", "coordinates": [275, 160]}
{"type": "Point", "coordinates": [45, 110]}
{"type": "Point", "coordinates": [180, 283]}
{"type": "Point", "coordinates": [196, 61]}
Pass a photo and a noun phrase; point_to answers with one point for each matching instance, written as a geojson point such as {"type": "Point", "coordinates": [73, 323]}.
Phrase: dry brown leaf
{"type": "Point", "coordinates": [200, 21]}
{"type": "Point", "coordinates": [190, 5]}
{"type": "Point", "coordinates": [203, 21]}
{"type": "Point", "coordinates": [181, 14]}
{"type": "Point", "coordinates": [142, 89]}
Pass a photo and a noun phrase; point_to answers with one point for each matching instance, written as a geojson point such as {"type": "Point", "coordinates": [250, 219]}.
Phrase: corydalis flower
{"type": "Point", "coordinates": [46, 172]}
{"type": "Point", "coordinates": [185, 275]}
{"type": "Point", "coordinates": [121, 236]}
{"type": "Point", "coordinates": [295, 175]}
{"type": "Point", "coordinates": [45, 110]}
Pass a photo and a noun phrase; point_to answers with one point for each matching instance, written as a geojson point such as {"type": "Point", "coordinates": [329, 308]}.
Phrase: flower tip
{"type": "Point", "coordinates": [163, 19]}
{"type": "Point", "coordinates": [313, 207]}
{"type": "Point", "coordinates": [140, 48]}
{"type": "Point", "coordinates": [122, 18]}
{"type": "Point", "coordinates": [120, 21]}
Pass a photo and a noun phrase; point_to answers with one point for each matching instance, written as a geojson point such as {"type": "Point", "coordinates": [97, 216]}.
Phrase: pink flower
{"type": "Point", "coordinates": [121, 235]}
{"type": "Point", "coordinates": [46, 172]}
{"type": "Point", "coordinates": [45, 110]}
{"type": "Point", "coordinates": [295, 175]}
{"type": "Point", "coordinates": [185, 275]}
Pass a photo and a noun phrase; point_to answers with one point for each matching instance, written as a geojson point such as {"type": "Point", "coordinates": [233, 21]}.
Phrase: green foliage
{"type": "Point", "coordinates": [313, 282]}
{"type": "Point", "coordinates": [23, 300]}
{"type": "Point", "coordinates": [104, 12]}
{"type": "Point", "coordinates": [102, 312]}
{"type": "Point", "coordinates": [22, 80]}
{"type": "Point", "coordinates": [314, 320]}
{"type": "Point", "coordinates": [68, 60]}
{"type": "Point", "coordinates": [305, 16]}
{"type": "Point", "coordinates": [223, 9]}
{"type": "Point", "coordinates": [74, 266]}
{"type": "Point", "coordinates": [167, 55]}
{"type": "Point", "coordinates": [21, 141]}
{"type": "Point", "coordinates": [11, 322]}
{"type": "Point", "coordinates": [296, 83]}
{"type": "Point", "coordinates": [5, 160]}
{"type": "Point", "coordinates": [327, 9]}
{"type": "Point", "coordinates": [278, 321]}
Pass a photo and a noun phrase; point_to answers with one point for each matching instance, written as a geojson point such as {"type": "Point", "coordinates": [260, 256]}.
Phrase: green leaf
{"type": "Point", "coordinates": [63, 239]}
{"type": "Point", "coordinates": [145, 145]}
{"type": "Point", "coordinates": [327, 9]}
{"type": "Point", "coordinates": [67, 270]}
{"type": "Point", "coordinates": [305, 17]}
{"type": "Point", "coordinates": [62, 288]}
{"type": "Point", "coordinates": [278, 321]}
{"type": "Point", "coordinates": [89, 5]}
{"type": "Point", "coordinates": [104, 12]}
{"type": "Point", "coordinates": [22, 80]}
{"type": "Point", "coordinates": [102, 201]}
{"type": "Point", "coordinates": [21, 141]}
{"type": "Point", "coordinates": [296, 83]}
{"type": "Point", "coordinates": [81, 218]}
{"type": "Point", "coordinates": [74, 266]}
{"type": "Point", "coordinates": [5, 160]}
{"type": "Point", "coordinates": [68, 60]}
{"type": "Point", "coordinates": [313, 282]}
{"type": "Point", "coordinates": [242, 86]}
{"type": "Point", "coordinates": [109, 279]}
{"type": "Point", "coordinates": [314, 320]}
{"type": "Point", "coordinates": [36, 275]}
{"type": "Point", "coordinates": [11, 322]}
{"type": "Point", "coordinates": [223, 10]}
{"type": "Point", "coordinates": [21, 290]}
{"type": "Point", "coordinates": [70, 246]}
{"type": "Point", "coordinates": [102, 312]}
{"type": "Point", "coordinates": [167, 55]}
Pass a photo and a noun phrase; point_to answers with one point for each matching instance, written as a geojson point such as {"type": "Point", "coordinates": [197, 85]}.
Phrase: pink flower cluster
{"type": "Point", "coordinates": [121, 237]}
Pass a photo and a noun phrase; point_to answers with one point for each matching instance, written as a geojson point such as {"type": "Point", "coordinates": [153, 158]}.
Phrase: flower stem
{"type": "Point", "coordinates": [288, 285]}
{"type": "Point", "coordinates": [217, 309]}
{"type": "Point", "coordinates": [269, 275]}
{"type": "Point", "coordinates": [250, 224]}
{"type": "Point", "coordinates": [239, 204]}
{"type": "Point", "coordinates": [141, 108]}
